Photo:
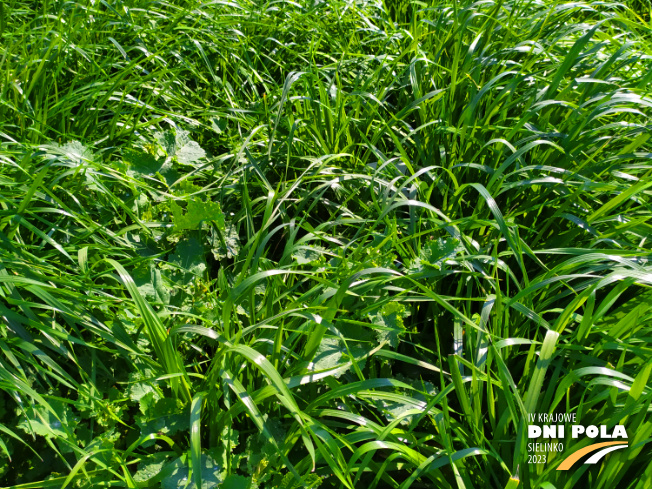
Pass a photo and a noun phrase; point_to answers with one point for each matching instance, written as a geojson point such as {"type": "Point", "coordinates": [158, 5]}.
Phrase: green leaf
{"type": "Point", "coordinates": [305, 255]}
{"type": "Point", "coordinates": [189, 258]}
{"type": "Point", "coordinates": [235, 481]}
{"type": "Point", "coordinates": [158, 336]}
{"type": "Point", "coordinates": [167, 416]}
{"type": "Point", "coordinates": [143, 163]}
{"type": "Point", "coordinates": [178, 476]}
{"type": "Point", "coordinates": [329, 355]}
{"type": "Point", "coordinates": [388, 323]}
{"type": "Point", "coordinates": [189, 153]}
{"type": "Point", "coordinates": [44, 423]}
{"type": "Point", "coordinates": [545, 356]}
{"type": "Point", "coordinates": [228, 440]}
{"type": "Point", "coordinates": [144, 392]}
{"type": "Point", "coordinates": [178, 144]}
{"type": "Point", "coordinates": [149, 281]}
{"type": "Point", "coordinates": [151, 467]}
{"type": "Point", "coordinates": [195, 439]}
{"type": "Point", "coordinates": [197, 213]}
{"type": "Point", "coordinates": [187, 187]}
{"type": "Point", "coordinates": [435, 252]}
{"type": "Point", "coordinates": [73, 151]}
{"type": "Point", "coordinates": [310, 481]}
{"type": "Point", "coordinates": [231, 245]}
{"type": "Point", "coordinates": [167, 141]}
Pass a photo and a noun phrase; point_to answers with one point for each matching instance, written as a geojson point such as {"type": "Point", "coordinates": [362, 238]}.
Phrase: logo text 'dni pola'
{"type": "Point", "coordinates": [565, 424]}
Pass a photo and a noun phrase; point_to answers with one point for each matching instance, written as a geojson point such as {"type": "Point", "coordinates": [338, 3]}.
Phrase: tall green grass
{"type": "Point", "coordinates": [338, 244]}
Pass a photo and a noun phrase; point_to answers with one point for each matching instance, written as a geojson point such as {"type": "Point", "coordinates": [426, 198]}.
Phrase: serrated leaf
{"type": "Point", "coordinates": [260, 452]}
{"type": "Point", "coordinates": [104, 444]}
{"type": "Point", "coordinates": [197, 212]}
{"type": "Point", "coordinates": [168, 425]}
{"type": "Point", "coordinates": [187, 187]}
{"type": "Point", "coordinates": [434, 253]}
{"type": "Point", "coordinates": [310, 481]}
{"type": "Point", "coordinates": [146, 402]}
{"type": "Point", "coordinates": [228, 440]}
{"type": "Point", "coordinates": [396, 409]}
{"type": "Point", "coordinates": [390, 320]}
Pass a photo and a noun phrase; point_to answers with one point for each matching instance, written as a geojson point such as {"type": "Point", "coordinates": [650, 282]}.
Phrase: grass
{"type": "Point", "coordinates": [336, 244]}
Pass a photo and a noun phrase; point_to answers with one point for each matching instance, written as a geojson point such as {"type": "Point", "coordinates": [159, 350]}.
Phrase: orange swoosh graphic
{"type": "Point", "coordinates": [575, 456]}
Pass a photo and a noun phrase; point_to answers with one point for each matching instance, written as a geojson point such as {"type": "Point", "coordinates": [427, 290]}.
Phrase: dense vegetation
{"type": "Point", "coordinates": [339, 243]}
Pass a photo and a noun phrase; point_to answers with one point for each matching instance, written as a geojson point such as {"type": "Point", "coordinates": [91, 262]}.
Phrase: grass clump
{"type": "Point", "coordinates": [321, 244]}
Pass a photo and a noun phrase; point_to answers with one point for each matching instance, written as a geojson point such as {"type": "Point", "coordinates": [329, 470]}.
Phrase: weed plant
{"type": "Point", "coordinates": [284, 244]}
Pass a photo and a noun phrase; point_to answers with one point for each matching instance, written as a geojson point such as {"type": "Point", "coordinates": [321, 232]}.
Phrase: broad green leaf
{"type": "Point", "coordinates": [305, 255]}
{"type": "Point", "coordinates": [151, 467]}
{"type": "Point", "coordinates": [43, 422]}
{"type": "Point", "coordinates": [235, 481]}
{"type": "Point", "coordinates": [143, 163]}
{"type": "Point", "coordinates": [197, 213]}
{"type": "Point", "coordinates": [178, 144]}
{"type": "Point", "coordinates": [227, 245]}
{"type": "Point", "coordinates": [189, 258]}
{"type": "Point", "coordinates": [177, 475]}
{"type": "Point", "coordinates": [329, 355]}
{"type": "Point", "coordinates": [388, 323]}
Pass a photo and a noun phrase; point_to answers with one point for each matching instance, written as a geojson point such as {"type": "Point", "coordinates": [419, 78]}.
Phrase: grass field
{"type": "Point", "coordinates": [335, 244]}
